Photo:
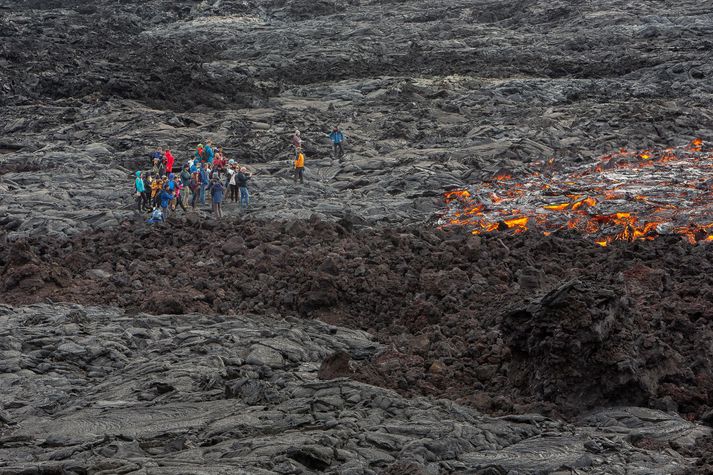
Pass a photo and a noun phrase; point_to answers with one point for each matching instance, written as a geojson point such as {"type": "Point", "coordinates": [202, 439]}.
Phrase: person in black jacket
{"type": "Point", "coordinates": [242, 181]}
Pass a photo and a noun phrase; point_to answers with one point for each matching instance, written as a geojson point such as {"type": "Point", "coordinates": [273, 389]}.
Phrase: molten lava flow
{"type": "Point", "coordinates": [625, 196]}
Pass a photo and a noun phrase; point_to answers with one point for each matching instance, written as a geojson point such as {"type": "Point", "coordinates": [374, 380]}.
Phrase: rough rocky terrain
{"type": "Point", "coordinates": [97, 390]}
{"type": "Point", "coordinates": [585, 359]}
{"type": "Point", "coordinates": [458, 89]}
{"type": "Point", "coordinates": [582, 327]}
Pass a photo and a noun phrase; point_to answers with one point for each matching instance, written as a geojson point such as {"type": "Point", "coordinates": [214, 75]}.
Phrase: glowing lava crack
{"type": "Point", "coordinates": [626, 196]}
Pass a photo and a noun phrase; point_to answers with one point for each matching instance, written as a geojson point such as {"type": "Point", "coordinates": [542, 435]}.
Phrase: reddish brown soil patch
{"type": "Point", "coordinates": [513, 324]}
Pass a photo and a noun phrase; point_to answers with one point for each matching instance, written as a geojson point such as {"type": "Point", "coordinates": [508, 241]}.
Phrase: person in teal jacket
{"type": "Point", "coordinates": [140, 194]}
{"type": "Point", "coordinates": [208, 152]}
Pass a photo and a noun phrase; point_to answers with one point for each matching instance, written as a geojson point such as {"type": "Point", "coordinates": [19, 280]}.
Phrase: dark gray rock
{"type": "Point", "coordinates": [135, 391]}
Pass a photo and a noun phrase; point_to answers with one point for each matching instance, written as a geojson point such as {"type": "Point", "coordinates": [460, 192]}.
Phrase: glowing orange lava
{"type": "Point", "coordinates": [625, 196]}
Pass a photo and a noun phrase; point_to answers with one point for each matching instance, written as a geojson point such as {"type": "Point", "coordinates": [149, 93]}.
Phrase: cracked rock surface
{"type": "Point", "coordinates": [97, 390]}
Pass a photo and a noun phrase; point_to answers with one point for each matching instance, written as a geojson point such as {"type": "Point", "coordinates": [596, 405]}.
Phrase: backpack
{"type": "Point", "coordinates": [156, 216]}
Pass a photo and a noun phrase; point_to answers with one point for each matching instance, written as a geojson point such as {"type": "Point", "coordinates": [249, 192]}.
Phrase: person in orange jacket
{"type": "Point", "coordinates": [300, 166]}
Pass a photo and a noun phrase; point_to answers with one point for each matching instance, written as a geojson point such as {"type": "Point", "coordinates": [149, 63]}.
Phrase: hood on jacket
{"type": "Point", "coordinates": [138, 174]}
{"type": "Point", "coordinates": [171, 176]}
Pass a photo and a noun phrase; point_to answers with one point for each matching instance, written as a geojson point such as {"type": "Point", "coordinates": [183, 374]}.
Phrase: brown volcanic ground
{"type": "Point", "coordinates": [512, 324]}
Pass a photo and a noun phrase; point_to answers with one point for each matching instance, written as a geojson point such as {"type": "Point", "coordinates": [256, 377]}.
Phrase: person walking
{"type": "Point", "coordinates": [337, 137]}
{"type": "Point", "coordinates": [300, 166]}
{"type": "Point", "coordinates": [241, 181]}
{"type": "Point", "coordinates": [140, 192]}
{"type": "Point", "coordinates": [216, 195]}
{"type": "Point", "coordinates": [297, 142]}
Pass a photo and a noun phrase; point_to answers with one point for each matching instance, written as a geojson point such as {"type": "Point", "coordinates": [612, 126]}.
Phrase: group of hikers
{"type": "Point", "coordinates": [207, 173]}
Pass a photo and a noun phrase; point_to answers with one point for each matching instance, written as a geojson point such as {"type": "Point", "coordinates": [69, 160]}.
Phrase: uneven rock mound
{"type": "Point", "coordinates": [583, 345]}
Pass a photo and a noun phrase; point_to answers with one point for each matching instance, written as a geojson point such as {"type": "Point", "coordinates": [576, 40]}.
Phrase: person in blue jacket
{"type": "Point", "coordinates": [205, 181]}
{"type": "Point", "coordinates": [337, 137]}
{"type": "Point", "coordinates": [172, 188]}
{"type": "Point", "coordinates": [217, 191]}
{"type": "Point", "coordinates": [165, 198]}
{"type": "Point", "coordinates": [140, 192]}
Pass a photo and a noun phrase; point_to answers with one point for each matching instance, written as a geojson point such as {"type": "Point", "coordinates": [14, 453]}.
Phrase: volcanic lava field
{"type": "Point", "coordinates": [510, 271]}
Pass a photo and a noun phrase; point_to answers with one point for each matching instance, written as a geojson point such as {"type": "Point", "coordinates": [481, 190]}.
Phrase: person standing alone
{"type": "Point", "coordinates": [337, 137]}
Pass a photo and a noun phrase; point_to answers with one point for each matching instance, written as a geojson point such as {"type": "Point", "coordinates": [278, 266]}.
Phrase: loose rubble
{"type": "Point", "coordinates": [457, 312]}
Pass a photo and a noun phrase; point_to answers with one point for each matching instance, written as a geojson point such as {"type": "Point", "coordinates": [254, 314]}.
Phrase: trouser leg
{"type": "Point", "coordinates": [244, 197]}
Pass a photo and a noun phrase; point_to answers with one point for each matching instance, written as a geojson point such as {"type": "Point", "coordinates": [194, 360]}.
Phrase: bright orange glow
{"type": "Point", "coordinates": [516, 222]}
{"type": "Point", "coordinates": [625, 195]}
{"type": "Point", "coordinates": [558, 207]}
{"type": "Point", "coordinates": [456, 194]}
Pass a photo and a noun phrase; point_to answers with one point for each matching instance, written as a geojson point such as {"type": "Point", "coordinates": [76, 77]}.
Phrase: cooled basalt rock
{"type": "Point", "coordinates": [94, 389]}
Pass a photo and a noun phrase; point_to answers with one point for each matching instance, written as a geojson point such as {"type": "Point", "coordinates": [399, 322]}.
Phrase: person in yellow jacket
{"type": "Point", "coordinates": [156, 187]}
{"type": "Point", "coordinates": [300, 166]}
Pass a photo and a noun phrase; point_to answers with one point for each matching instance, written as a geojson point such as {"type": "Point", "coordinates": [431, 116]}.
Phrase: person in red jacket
{"type": "Point", "coordinates": [169, 160]}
